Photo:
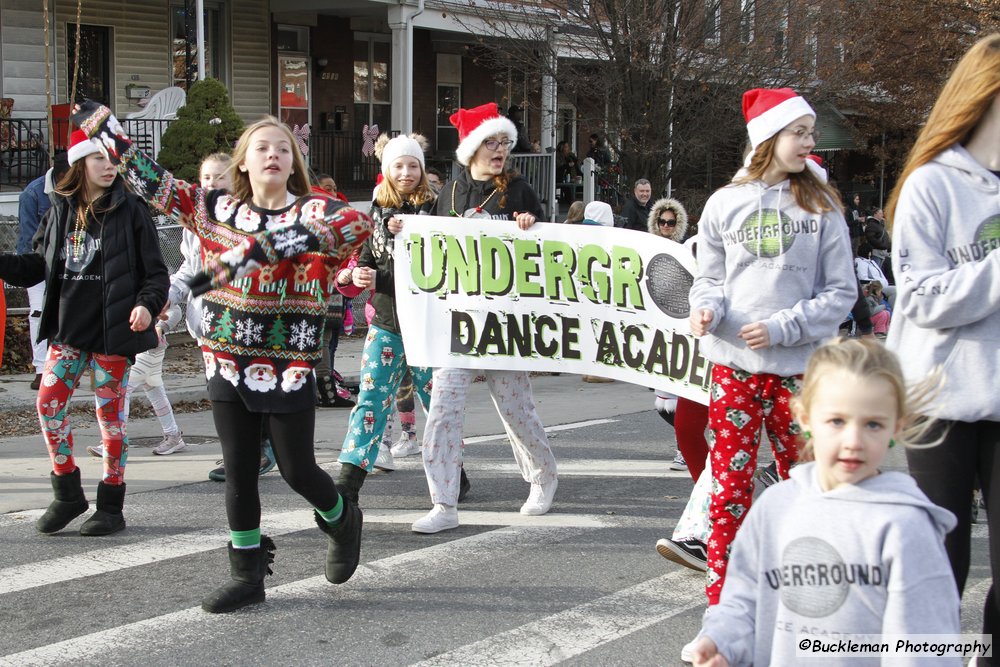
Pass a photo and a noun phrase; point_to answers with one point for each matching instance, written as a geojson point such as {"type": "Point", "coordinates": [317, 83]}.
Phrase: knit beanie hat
{"type": "Point", "coordinates": [400, 146]}
{"type": "Point", "coordinates": [769, 110]}
{"type": "Point", "coordinates": [80, 146]}
{"type": "Point", "coordinates": [476, 126]}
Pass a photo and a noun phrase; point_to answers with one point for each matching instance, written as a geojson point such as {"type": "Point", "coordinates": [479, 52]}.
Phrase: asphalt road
{"type": "Point", "coordinates": [582, 585]}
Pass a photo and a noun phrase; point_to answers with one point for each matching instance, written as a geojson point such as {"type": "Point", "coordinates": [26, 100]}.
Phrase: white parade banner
{"type": "Point", "coordinates": [483, 294]}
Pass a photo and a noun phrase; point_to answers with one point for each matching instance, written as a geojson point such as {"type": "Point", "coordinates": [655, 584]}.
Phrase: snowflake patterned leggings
{"type": "Point", "coordinates": [64, 366]}
{"type": "Point", "coordinates": [383, 363]}
{"type": "Point", "coordinates": [740, 402]}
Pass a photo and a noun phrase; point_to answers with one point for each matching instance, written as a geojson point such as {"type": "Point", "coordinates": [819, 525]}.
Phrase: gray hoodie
{"type": "Point", "coordinates": [946, 230]}
{"type": "Point", "coordinates": [860, 559]}
{"type": "Point", "coordinates": [762, 258]}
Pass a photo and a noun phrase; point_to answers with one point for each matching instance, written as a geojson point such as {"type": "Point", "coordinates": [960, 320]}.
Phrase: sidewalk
{"type": "Point", "coordinates": [25, 467]}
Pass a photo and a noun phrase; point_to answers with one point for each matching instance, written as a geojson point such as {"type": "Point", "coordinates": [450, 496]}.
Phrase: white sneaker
{"type": "Point", "coordinates": [687, 651]}
{"type": "Point", "coordinates": [406, 446]}
{"type": "Point", "coordinates": [96, 451]}
{"type": "Point", "coordinates": [170, 444]}
{"type": "Point", "coordinates": [384, 460]}
{"type": "Point", "coordinates": [678, 463]}
{"type": "Point", "coordinates": [442, 517]}
{"type": "Point", "coordinates": [540, 499]}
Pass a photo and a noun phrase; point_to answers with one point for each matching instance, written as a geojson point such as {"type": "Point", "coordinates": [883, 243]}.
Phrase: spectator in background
{"type": "Point", "coordinates": [855, 222]}
{"type": "Point", "coordinates": [637, 208]}
{"type": "Point", "coordinates": [435, 179]}
{"type": "Point", "coordinates": [32, 206]}
{"type": "Point", "coordinates": [516, 116]}
{"type": "Point", "coordinates": [599, 151]}
{"type": "Point", "coordinates": [575, 214]}
{"type": "Point", "coordinates": [328, 185]}
{"type": "Point", "coordinates": [877, 237]}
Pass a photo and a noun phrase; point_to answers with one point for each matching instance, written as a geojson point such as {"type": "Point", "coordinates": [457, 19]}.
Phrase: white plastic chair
{"type": "Point", "coordinates": [161, 106]}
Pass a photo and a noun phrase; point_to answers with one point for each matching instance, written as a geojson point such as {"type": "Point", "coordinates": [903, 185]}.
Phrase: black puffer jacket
{"type": "Point", "coordinates": [376, 253]}
{"type": "Point", "coordinates": [133, 272]}
{"type": "Point", "coordinates": [470, 193]}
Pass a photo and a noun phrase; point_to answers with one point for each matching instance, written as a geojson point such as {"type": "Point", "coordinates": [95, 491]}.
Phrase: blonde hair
{"type": "Point", "coordinates": [872, 360]}
{"type": "Point", "coordinates": [811, 194]}
{"type": "Point", "coordinates": [874, 287]}
{"type": "Point", "coordinates": [963, 101]}
{"type": "Point", "coordinates": [298, 181]}
{"type": "Point", "coordinates": [575, 213]}
{"type": "Point", "coordinates": [388, 195]}
{"type": "Point", "coordinates": [221, 158]}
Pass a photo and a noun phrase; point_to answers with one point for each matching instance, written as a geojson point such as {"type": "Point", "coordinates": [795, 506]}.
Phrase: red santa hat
{"type": "Point", "coordinates": [769, 110]}
{"type": "Point", "coordinates": [476, 126]}
{"type": "Point", "coordinates": [80, 146]}
{"type": "Point", "coordinates": [260, 361]}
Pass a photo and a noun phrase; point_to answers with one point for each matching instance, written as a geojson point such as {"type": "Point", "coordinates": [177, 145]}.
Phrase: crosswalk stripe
{"type": "Point", "coordinates": [583, 628]}
{"type": "Point", "coordinates": [574, 468]}
{"type": "Point", "coordinates": [189, 625]}
{"type": "Point", "coordinates": [548, 429]}
{"type": "Point", "coordinates": [112, 559]}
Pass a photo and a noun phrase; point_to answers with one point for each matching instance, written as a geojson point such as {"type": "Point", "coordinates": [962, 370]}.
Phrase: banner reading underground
{"type": "Point", "coordinates": [483, 294]}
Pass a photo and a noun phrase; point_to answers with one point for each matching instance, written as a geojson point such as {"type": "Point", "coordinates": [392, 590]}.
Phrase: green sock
{"type": "Point", "coordinates": [245, 539]}
{"type": "Point", "coordinates": [332, 516]}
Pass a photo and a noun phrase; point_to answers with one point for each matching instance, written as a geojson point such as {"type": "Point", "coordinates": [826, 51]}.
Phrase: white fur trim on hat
{"type": "Point", "coordinates": [775, 119]}
{"type": "Point", "coordinates": [401, 146]}
{"type": "Point", "coordinates": [80, 146]}
{"type": "Point", "coordinates": [488, 128]}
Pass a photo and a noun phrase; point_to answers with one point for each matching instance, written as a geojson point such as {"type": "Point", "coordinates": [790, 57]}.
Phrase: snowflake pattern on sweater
{"type": "Point", "coordinates": [272, 270]}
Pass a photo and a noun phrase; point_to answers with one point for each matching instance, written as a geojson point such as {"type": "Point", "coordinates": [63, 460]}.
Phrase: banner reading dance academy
{"type": "Point", "coordinates": [581, 299]}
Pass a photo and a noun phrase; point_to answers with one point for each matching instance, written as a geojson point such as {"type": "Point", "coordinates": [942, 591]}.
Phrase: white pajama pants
{"type": "Point", "coordinates": [36, 300]}
{"type": "Point", "coordinates": [512, 396]}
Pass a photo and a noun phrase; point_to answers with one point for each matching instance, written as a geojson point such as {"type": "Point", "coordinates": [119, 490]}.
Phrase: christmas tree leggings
{"type": "Point", "coordinates": [64, 366]}
{"type": "Point", "coordinates": [383, 363]}
{"type": "Point", "coordinates": [240, 432]}
{"type": "Point", "coordinates": [404, 408]}
{"type": "Point", "coordinates": [739, 403]}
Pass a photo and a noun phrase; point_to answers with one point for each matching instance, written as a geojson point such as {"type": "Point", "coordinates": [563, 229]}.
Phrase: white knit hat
{"type": "Point", "coordinates": [476, 126]}
{"type": "Point", "coordinates": [80, 146]}
{"type": "Point", "coordinates": [769, 110]}
{"type": "Point", "coordinates": [397, 147]}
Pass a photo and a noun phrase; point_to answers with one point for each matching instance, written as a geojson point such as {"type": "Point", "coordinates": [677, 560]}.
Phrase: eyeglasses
{"type": "Point", "coordinates": [801, 133]}
{"type": "Point", "coordinates": [493, 144]}
{"type": "Point", "coordinates": [669, 223]}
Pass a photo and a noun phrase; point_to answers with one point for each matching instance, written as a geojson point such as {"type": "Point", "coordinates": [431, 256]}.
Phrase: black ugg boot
{"type": "Point", "coordinates": [464, 485]}
{"type": "Point", "coordinates": [247, 567]}
{"type": "Point", "coordinates": [327, 392]}
{"type": "Point", "coordinates": [108, 518]}
{"type": "Point", "coordinates": [69, 503]}
{"type": "Point", "coordinates": [349, 481]}
{"type": "Point", "coordinates": [343, 553]}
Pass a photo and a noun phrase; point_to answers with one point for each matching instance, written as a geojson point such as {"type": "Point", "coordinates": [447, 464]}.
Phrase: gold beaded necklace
{"type": "Point", "coordinates": [476, 212]}
{"type": "Point", "coordinates": [80, 231]}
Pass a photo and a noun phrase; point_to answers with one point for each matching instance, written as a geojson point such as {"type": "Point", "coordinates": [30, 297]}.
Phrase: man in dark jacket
{"type": "Point", "coordinates": [636, 209]}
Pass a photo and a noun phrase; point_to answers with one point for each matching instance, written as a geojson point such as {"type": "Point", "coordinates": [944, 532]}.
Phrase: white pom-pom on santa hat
{"type": "Point", "coordinates": [80, 146]}
{"type": "Point", "coordinates": [769, 110]}
{"type": "Point", "coordinates": [476, 126]}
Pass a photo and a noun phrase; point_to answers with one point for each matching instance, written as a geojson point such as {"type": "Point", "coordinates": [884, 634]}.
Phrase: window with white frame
{"type": "Point", "coordinates": [748, 15]}
{"type": "Point", "coordinates": [713, 21]}
{"type": "Point", "coordinates": [184, 43]}
{"type": "Point", "coordinates": [449, 100]}
{"type": "Point", "coordinates": [781, 34]}
{"type": "Point", "coordinates": [809, 52]}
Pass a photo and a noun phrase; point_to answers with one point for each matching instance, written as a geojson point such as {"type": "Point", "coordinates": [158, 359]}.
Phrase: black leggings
{"type": "Point", "coordinates": [292, 440]}
{"type": "Point", "coordinates": [947, 474]}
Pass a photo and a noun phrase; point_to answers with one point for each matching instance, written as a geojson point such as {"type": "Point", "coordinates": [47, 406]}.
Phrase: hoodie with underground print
{"type": "Point", "coordinates": [865, 559]}
{"type": "Point", "coordinates": [946, 231]}
{"type": "Point", "coordinates": [762, 258]}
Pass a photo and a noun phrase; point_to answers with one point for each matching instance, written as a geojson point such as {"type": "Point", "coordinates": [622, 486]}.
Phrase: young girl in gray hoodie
{"type": "Point", "coordinates": [840, 550]}
{"type": "Point", "coordinates": [775, 280]}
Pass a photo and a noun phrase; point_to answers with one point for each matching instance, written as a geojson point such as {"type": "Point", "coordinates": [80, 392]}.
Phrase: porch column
{"type": "Point", "coordinates": [550, 98]}
{"type": "Point", "coordinates": [400, 20]}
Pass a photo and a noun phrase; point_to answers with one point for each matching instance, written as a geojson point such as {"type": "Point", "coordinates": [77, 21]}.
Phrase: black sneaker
{"type": "Point", "coordinates": [689, 553]}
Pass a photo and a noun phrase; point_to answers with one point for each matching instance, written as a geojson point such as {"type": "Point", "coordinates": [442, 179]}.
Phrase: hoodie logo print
{"type": "Point", "coordinates": [767, 233]}
{"type": "Point", "coordinates": [987, 240]}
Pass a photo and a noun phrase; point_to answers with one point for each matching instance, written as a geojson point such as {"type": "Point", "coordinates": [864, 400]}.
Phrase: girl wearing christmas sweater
{"type": "Point", "coordinates": [271, 248]}
{"type": "Point", "coordinates": [775, 279]}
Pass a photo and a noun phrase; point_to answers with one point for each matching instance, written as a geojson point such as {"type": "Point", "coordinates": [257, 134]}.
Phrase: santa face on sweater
{"type": "Point", "coordinates": [294, 377]}
{"type": "Point", "coordinates": [228, 369]}
{"type": "Point", "coordinates": [260, 376]}
{"type": "Point", "coordinates": [209, 364]}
